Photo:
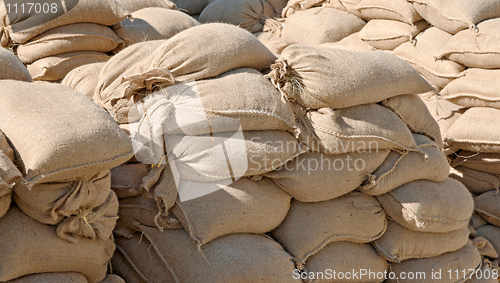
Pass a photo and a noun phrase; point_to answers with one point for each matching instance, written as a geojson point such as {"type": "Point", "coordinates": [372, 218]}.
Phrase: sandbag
{"type": "Point", "coordinates": [84, 78]}
{"type": "Point", "coordinates": [428, 206]}
{"type": "Point", "coordinates": [488, 206]}
{"type": "Point", "coordinates": [126, 179]}
{"type": "Point", "coordinates": [389, 34]}
{"type": "Point", "coordinates": [477, 221]}
{"type": "Point", "coordinates": [344, 5]}
{"type": "Point", "coordinates": [69, 38]}
{"type": "Point", "coordinates": [191, 7]}
{"type": "Point", "coordinates": [56, 67]}
{"type": "Point", "coordinates": [399, 243]}
{"type": "Point", "coordinates": [112, 278]}
{"type": "Point", "coordinates": [272, 41]}
{"type": "Point", "coordinates": [9, 174]}
{"type": "Point", "coordinates": [350, 43]}
{"type": "Point", "coordinates": [458, 15]}
{"type": "Point", "coordinates": [171, 256]}
{"type": "Point", "coordinates": [492, 234]}
{"type": "Point", "coordinates": [309, 227]}
{"type": "Point", "coordinates": [477, 182]}
{"type": "Point", "coordinates": [478, 161]}
{"type": "Point", "coordinates": [13, 68]}
{"type": "Point", "coordinates": [317, 77]}
{"type": "Point", "coordinates": [313, 176]}
{"type": "Point", "coordinates": [319, 25]}
{"type": "Point", "coordinates": [403, 167]}
{"type": "Point", "coordinates": [32, 247]}
{"type": "Point", "coordinates": [153, 24]}
{"type": "Point", "coordinates": [19, 28]}
{"type": "Point", "coordinates": [397, 10]}
{"type": "Point", "coordinates": [136, 5]}
{"type": "Point", "coordinates": [51, 277]}
{"type": "Point", "coordinates": [487, 274]}
{"type": "Point", "coordinates": [66, 138]}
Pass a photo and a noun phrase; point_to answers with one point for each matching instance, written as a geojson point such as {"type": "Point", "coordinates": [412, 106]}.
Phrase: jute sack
{"type": "Point", "coordinates": [422, 56]}
{"type": "Point", "coordinates": [247, 14]}
{"type": "Point", "coordinates": [319, 25]}
{"type": "Point", "coordinates": [458, 15]}
{"type": "Point", "coordinates": [51, 277]}
{"type": "Point", "coordinates": [309, 227]}
{"type": "Point", "coordinates": [350, 43]}
{"type": "Point", "coordinates": [428, 206]}
{"type": "Point", "coordinates": [363, 128]}
{"type": "Point", "coordinates": [347, 257]}
{"type": "Point", "coordinates": [399, 243]}
{"type": "Point", "coordinates": [69, 38]}
{"type": "Point", "coordinates": [477, 88]}
{"type": "Point", "coordinates": [31, 247]}
{"type": "Point", "coordinates": [476, 130]}
{"type": "Point", "coordinates": [112, 278]}
{"type": "Point", "coordinates": [488, 206]}
{"type": "Point", "coordinates": [492, 234]}
{"type": "Point", "coordinates": [483, 275]}
{"type": "Point", "coordinates": [272, 41]}
{"type": "Point", "coordinates": [153, 24]}
{"type": "Point", "coordinates": [278, 5]}
{"type": "Point", "coordinates": [479, 161]}
{"type": "Point", "coordinates": [477, 182]}
{"type": "Point", "coordinates": [467, 259]}
{"type": "Point", "coordinates": [476, 50]}
{"type": "Point", "coordinates": [56, 67]}
{"type": "Point", "coordinates": [389, 34]}
{"type": "Point", "coordinates": [126, 179]}
{"type": "Point", "coordinates": [397, 10]}
{"type": "Point", "coordinates": [136, 5]}
{"type": "Point", "coordinates": [317, 77]}
{"type": "Point", "coordinates": [84, 78]}
{"type": "Point", "coordinates": [344, 5]}
{"type": "Point", "coordinates": [9, 174]}
{"type": "Point", "coordinates": [171, 256]}
{"type": "Point", "coordinates": [185, 57]}
{"type": "Point", "coordinates": [12, 69]}
{"type": "Point", "coordinates": [245, 206]}
{"type": "Point", "coordinates": [66, 138]}
{"type": "Point", "coordinates": [293, 6]}
{"type": "Point", "coordinates": [477, 221]}
{"type": "Point", "coordinates": [401, 167]}
{"type": "Point", "coordinates": [313, 176]}
{"type": "Point", "coordinates": [191, 7]}
{"type": "Point", "coordinates": [485, 247]}
{"type": "Point", "coordinates": [19, 28]}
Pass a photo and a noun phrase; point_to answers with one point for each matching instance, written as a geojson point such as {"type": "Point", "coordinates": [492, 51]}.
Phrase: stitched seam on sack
{"type": "Point", "coordinates": [475, 52]}
{"type": "Point", "coordinates": [385, 174]}
{"type": "Point", "coordinates": [253, 112]}
{"type": "Point", "coordinates": [474, 142]}
{"type": "Point", "coordinates": [408, 20]}
{"type": "Point", "coordinates": [440, 12]}
{"type": "Point", "coordinates": [385, 38]}
{"type": "Point", "coordinates": [129, 260]}
{"type": "Point", "coordinates": [488, 214]}
{"type": "Point", "coordinates": [44, 69]}
{"type": "Point", "coordinates": [472, 95]}
{"type": "Point", "coordinates": [69, 37]}
{"type": "Point", "coordinates": [478, 178]}
{"type": "Point", "coordinates": [190, 229]}
{"type": "Point", "coordinates": [413, 129]}
{"type": "Point", "coordinates": [442, 75]}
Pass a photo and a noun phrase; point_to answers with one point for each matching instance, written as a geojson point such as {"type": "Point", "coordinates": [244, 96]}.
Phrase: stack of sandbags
{"type": "Point", "coordinates": [64, 145]}
{"type": "Point", "coordinates": [12, 68]}
{"type": "Point", "coordinates": [55, 38]}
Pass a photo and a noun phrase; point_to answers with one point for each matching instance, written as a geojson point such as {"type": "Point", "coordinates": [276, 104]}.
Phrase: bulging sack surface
{"type": "Point", "coordinates": [477, 182]}
{"type": "Point", "coordinates": [397, 10]}
{"type": "Point", "coordinates": [14, 68]}
{"type": "Point", "coordinates": [126, 179]}
{"type": "Point", "coordinates": [9, 174]}
{"type": "Point", "coordinates": [479, 161]}
{"type": "Point", "coordinates": [389, 34]}
{"type": "Point", "coordinates": [488, 206]}
{"type": "Point", "coordinates": [135, 5]}
{"type": "Point", "coordinates": [84, 78]}
{"type": "Point", "coordinates": [350, 43]}
{"type": "Point", "coordinates": [51, 277]}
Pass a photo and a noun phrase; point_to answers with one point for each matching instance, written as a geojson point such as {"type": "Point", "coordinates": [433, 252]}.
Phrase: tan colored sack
{"type": "Point", "coordinates": [313, 176]}
{"type": "Point", "coordinates": [488, 206]}
{"type": "Point", "coordinates": [466, 260]}
{"type": "Point", "coordinates": [309, 227]}
{"type": "Point", "coordinates": [136, 5]}
{"type": "Point", "coordinates": [153, 24]}
{"type": "Point", "coordinates": [428, 206]}
{"type": "Point", "coordinates": [293, 6]}
{"type": "Point", "coordinates": [344, 5]}
{"type": "Point", "coordinates": [84, 78]}
{"type": "Point", "coordinates": [397, 10]}
{"type": "Point", "coordinates": [454, 16]}
{"type": "Point", "coordinates": [191, 7]}
{"type": "Point", "coordinates": [403, 167]}
{"type": "Point", "coordinates": [347, 258]}
{"type": "Point", "coordinates": [56, 67]}
{"type": "Point", "coordinates": [492, 234]}
{"type": "Point", "coordinates": [66, 138]}
{"type": "Point", "coordinates": [485, 275]}
{"type": "Point", "coordinates": [70, 38]}
{"type": "Point", "coordinates": [51, 277]}
{"type": "Point", "coordinates": [477, 182]}
{"type": "Point", "coordinates": [479, 161]}
{"type": "Point", "coordinates": [476, 130]}
{"type": "Point", "coordinates": [126, 179]}
{"type": "Point", "coordinates": [350, 43]}
{"type": "Point", "coordinates": [112, 278]}
{"type": "Point", "coordinates": [171, 256]}
{"type": "Point", "coordinates": [477, 221]}
{"type": "Point", "coordinates": [9, 174]}
{"type": "Point", "coordinates": [31, 247]}
{"type": "Point", "coordinates": [21, 27]}
{"type": "Point", "coordinates": [319, 25]}
{"type": "Point", "coordinates": [485, 247]}
{"type": "Point", "coordinates": [389, 34]}
{"type": "Point", "coordinates": [316, 77]}
{"type": "Point", "coordinates": [12, 68]}
{"type": "Point", "coordinates": [272, 41]}
{"type": "Point", "coordinates": [423, 53]}
{"type": "Point", "coordinates": [399, 243]}
{"type": "Point", "coordinates": [363, 128]}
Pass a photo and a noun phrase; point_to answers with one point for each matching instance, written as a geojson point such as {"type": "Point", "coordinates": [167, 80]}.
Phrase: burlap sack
{"type": "Point", "coordinates": [476, 130]}
{"type": "Point", "coordinates": [309, 227]}
{"type": "Point", "coordinates": [477, 88]}
{"type": "Point", "coordinates": [313, 176]}
{"type": "Point", "coordinates": [399, 243]}
{"type": "Point", "coordinates": [397, 10]}
{"type": "Point", "coordinates": [492, 234]}
{"type": "Point", "coordinates": [278, 5]}
{"type": "Point", "coordinates": [12, 69]}
{"type": "Point", "coordinates": [466, 260]}
{"type": "Point", "coordinates": [9, 174]}
{"type": "Point", "coordinates": [247, 14]}
{"type": "Point", "coordinates": [31, 247]}
{"type": "Point", "coordinates": [363, 128]}
{"type": "Point", "coordinates": [136, 5]}
{"type": "Point", "coordinates": [66, 138]}
{"type": "Point", "coordinates": [317, 77]}
{"type": "Point", "coordinates": [401, 167]}
{"type": "Point", "coordinates": [485, 274]}
{"type": "Point", "coordinates": [20, 26]}
{"type": "Point", "coordinates": [171, 256]}
{"type": "Point", "coordinates": [477, 182]}
{"type": "Point", "coordinates": [293, 6]}
{"type": "Point", "coordinates": [478, 161]}
{"type": "Point", "coordinates": [84, 78]}
{"type": "Point", "coordinates": [347, 258]}
{"type": "Point", "coordinates": [455, 16]}
{"type": "Point", "coordinates": [272, 41]}
{"type": "Point", "coordinates": [51, 277]}
{"type": "Point", "coordinates": [485, 247]}
{"type": "Point", "coordinates": [319, 25]}
{"type": "Point", "coordinates": [477, 221]}
{"type": "Point", "coordinates": [428, 206]}
{"type": "Point", "coordinates": [191, 7]}
{"type": "Point", "coordinates": [69, 38]}
{"type": "Point", "coordinates": [422, 56]}
{"type": "Point", "coordinates": [126, 179]}
{"type": "Point", "coordinates": [112, 278]}
{"type": "Point", "coordinates": [488, 206]}
{"type": "Point", "coordinates": [344, 5]}
{"type": "Point", "coordinates": [389, 34]}
{"type": "Point", "coordinates": [153, 24]}
{"type": "Point", "coordinates": [56, 67]}
{"type": "Point", "coordinates": [185, 57]}
{"type": "Point", "coordinates": [350, 43]}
